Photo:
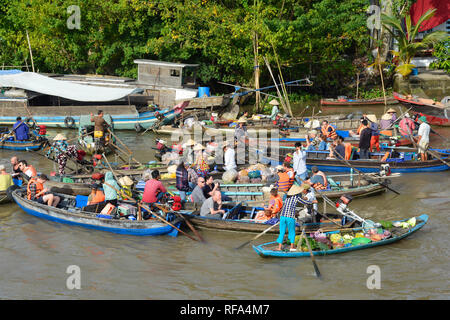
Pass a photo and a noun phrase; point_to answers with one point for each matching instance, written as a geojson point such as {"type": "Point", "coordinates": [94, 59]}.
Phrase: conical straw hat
{"type": "Point", "coordinates": [274, 102]}
{"type": "Point", "coordinates": [59, 136]}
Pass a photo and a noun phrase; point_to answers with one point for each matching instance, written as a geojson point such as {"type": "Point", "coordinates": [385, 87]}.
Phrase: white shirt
{"type": "Point", "coordinates": [299, 161]}
{"type": "Point", "coordinates": [230, 161]}
{"type": "Point", "coordinates": [424, 132]}
{"type": "Point", "coordinates": [311, 196]}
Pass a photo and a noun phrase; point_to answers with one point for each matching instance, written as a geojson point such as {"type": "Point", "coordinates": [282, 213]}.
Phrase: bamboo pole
{"type": "Point", "coordinates": [276, 86]}
{"type": "Point", "coordinates": [31, 53]}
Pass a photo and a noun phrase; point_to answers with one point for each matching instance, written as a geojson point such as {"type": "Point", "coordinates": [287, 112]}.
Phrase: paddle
{"type": "Point", "coordinates": [128, 149]}
{"type": "Point", "coordinates": [316, 268]}
{"type": "Point", "coordinates": [167, 222]}
{"type": "Point", "coordinates": [185, 220]}
{"type": "Point", "coordinates": [259, 235]}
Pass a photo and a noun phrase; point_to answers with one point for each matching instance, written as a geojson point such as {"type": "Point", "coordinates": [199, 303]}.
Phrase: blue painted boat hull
{"type": "Point", "coordinates": [281, 254]}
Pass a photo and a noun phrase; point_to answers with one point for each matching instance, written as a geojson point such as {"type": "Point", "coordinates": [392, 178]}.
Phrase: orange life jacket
{"type": "Point", "coordinates": [283, 182]}
{"type": "Point", "coordinates": [348, 150]}
{"type": "Point", "coordinates": [318, 185]}
{"type": "Point", "coordinates": [291, 179]}
{"type": "Point", "coordinates": [329, 134]}
{"type": "Point", "coordinates": [33, 170]}
{"type": "Point", "coordinates": [98, 197]}
{"type": "Point", "coordinates": [361, 126]}
{"type": "Point", "coordinates": [39, 187]}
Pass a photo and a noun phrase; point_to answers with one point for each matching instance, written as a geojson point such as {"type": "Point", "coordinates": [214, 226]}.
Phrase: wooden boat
{"type": "Point", "coordinates": [4, 197]}
{"type": "Point", "coordinates": [356, 102]}
{"type": "Point", "coordinates": [437, 113]}
{"type": "Point", "coordinates": [269, 249]}
{"type": "Point", "coordinates": [86, 140]}
{"type": "Point", "coordinates": [397, 164]}
{"type": "Point", "coordinates": [242, 220]}
{"type": "Point", "coordinates": [68, 213]}
{"type": "Point", "coordinates": [36, 141]}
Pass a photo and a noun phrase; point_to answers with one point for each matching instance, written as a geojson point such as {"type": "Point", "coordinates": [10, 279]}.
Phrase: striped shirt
{"type": "Point", "coordinates": [290, 204]}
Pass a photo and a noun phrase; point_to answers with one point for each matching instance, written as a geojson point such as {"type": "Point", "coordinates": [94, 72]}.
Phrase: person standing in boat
{"type": "Point", "coordinates": [407, 125]}
{"type": "Point", "coordinates": [275, 109]}
{"type": "Point", "coordinates": [182, 180]}
{"type": "Point", "coordinates": [423, 137]}
{"type": "Point", "coordinates": [364, 141]}
{"type": "Point", "coordinates": [229, 157]}
{"type": "Point", "coordinates": [375, 139]}
{"type": "Point", "coordinates": [100, 125]}
{"type": "Point", "coordinates": [288, 214]}
{"type": "Point", "coordinates": [201, 165]}
{"type": "Point", "coordinates": [62, 152]}
{"type": "Point", "coordinates": [299, 163]}
{"type": "Point", "coordinates": [388, 119]}
{"type": "Point", "coordinates": [21, 130]}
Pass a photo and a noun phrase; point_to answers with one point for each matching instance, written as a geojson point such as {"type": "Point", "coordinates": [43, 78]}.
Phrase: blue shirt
{"type": "Point", "coordinates": [21, 130]}
{"type": "Point", "coordinates": [290, 204]}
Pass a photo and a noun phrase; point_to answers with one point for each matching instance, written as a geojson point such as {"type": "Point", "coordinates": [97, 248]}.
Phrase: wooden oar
{"type": "Point", "coordinates": [126, 147]}
{"type": "Point", "coordinates": [316, 268]}
{"type": "Point", "coordinates": [185, 220]}
{"type": "Point", "coordinates": [167, 222]}
{"type": "Point", "coordinates": [259, 235]}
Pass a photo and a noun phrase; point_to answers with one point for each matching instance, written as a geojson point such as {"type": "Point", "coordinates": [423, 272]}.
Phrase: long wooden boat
{"type": "Point", "coordinates": [242, 220]}
{"type": "Point", "coordinates": [68, 213]}
{"type": "Point", "coordinates": [356, 102]}
{"type": "Point", "coordinates": [436, 113]}
{"type": "Point", "coordinates": [86, 140]}
{"type": "Point", "coordinates": [397, 233]}
{"type": "Point", "coordinates": [4, 197]}
{"type": "Point", "coordinates": [26, 145]}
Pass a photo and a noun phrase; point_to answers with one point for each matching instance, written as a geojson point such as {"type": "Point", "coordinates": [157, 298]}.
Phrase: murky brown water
{"type": "Point", "coordinates": [35, 253]}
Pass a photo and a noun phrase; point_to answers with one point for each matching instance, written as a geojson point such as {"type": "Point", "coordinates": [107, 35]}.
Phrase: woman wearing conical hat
{"type": "Point", "coordinates": [61, 151]}
{"type": "Point", "coordinates": [388, 119]}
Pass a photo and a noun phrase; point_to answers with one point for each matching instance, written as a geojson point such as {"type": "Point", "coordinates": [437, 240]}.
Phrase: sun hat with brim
{"type": "Point", "coordinates": [391, 110]}
{"type": "Point", "coordinates": [198, 147]}
{"type": "Point", "coordinates": [274, 102]}
{"type": "Point", "coordinates": [423, 119]}
{"type": "Point", "coordinates": [372, 117]}
{"type": "Point", "coordinates": [126, 181]}
{"type": "Point", "coordinates": [295, 189]}
{"type": "Point", "coordinates": [59, 136]}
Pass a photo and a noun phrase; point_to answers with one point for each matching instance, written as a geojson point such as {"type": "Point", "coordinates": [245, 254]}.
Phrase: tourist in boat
{"type": "Point", "coordinates": [274, 112]}
{"type": "Point", "coordinates": [290, 171]}
{"type": "Point", "coordinates": [212, 207]}
{"type": "Point", "coordinates": [318, 179]}
{"type": "Point", "coordinates": [5, 179]}
{"type": "Point", "coordinates": [328, 130]}
{"type": "Point", "coordinates": [210, 187]}
{"type": "Point", "coordinates": [270, 211]}
{"type": "Point", "coordinates": [312, 140]}
{"type": "Point", "coordinates": [288, 213]}
{"type": "Point", "coordinates": [27, 169]}
{"type": "Point", "coordinates": [62, 151]}
{"type": "Point", "coordinates": [15, 167]}
{"type": "Point", "coordinates": [312, 209]}
{"type": "Point", "coordinates": [388, 119]}
{"type": "Point", "coordinates": [21, 130]}
{"type": "Point", "coordinates": [197, 195]}
{"type": "Point", "coordinates": [182, 180]}
{"type": "Point", "coordinates": [407, 125]}
{"type": "Point", "coordinates": [37, 192]}
{"type": "Point", "coordinates": [201, 165]}
{"type": "Point", "coordinates": [423, 137]}
{"type": "Point", "coordinates": [229, 157]}
{"type": "Point", "coordinates": [110, 188]}
{"type": "Point", "coordinates": [337, 149]}
{"type": "Point", "coordinates": [299, 163]}
{"type": "Point", "coordinates": [283, 184]}
{"type": "Point", "coordinates": [323, 143]}
{"type": "Point", "coordinates": [154, 190]}
{"type": "Point", "coordinates": [364, 141]}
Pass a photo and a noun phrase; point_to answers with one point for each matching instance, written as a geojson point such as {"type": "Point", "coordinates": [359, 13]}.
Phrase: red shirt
{"type": "Point", "coordinates": [152, 188]}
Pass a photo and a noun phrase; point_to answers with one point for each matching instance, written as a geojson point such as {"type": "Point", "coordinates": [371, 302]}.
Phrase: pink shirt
{"type": "Point", "coordinates": [152, 188]}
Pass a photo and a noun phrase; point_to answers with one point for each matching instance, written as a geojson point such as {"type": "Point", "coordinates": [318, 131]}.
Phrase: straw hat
{"type": "Point", "coordinates": [295, 189]}
{"type": "Point", "coordinates": [372, 117]}
{"type": "Point", "coordinates": [391, 110]}
{"type": "Point", "coordinates": [314, 131]}
{"type": "Point", "coordinates": [59, 136]}
{"type": "Point", "coordinates": [274, 102]}
{"type": "Point", "coordinates": [242, 120]}
{"type": "Point", "coordinates": [386, 117]}
{"type": "Point", "coordinates": [126, 181]}
{"type": "Point", "coordinates": [198, 147]}
{"type": "Point", "coordinates": [190, 142]}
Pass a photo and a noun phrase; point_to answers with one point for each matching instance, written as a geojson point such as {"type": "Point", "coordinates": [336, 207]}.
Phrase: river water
{"type": "Point", "coordinates": [35, 254]}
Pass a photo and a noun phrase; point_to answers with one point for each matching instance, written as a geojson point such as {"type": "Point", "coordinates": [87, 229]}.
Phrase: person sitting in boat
{"type": "Point", "coordinates": [37, 192]}
{"type": "Point", "coordinates": [197, 195]}
{"type": "Point", "coordinates": [21, 130]}
{"type": "Point", "coordinates": [192, 176]}
{"type": "Point", "coordinates": [290, 171]}
{"type": "Point", "coordinates": [407, 125]}
{"type": "Point", "coordinates": [318, 179]}
{"type": "Point", "coordinates": [312, 140]}
{"type": "Point", "coordinates": [337, 148]}
{"type": "Point", "coordinates": [283, 184]}
{"type": "Point", "coordinates": [182, 180]}
{"type": "Point", "coordinates": [28, 170]}
{"type": "Point", "coordinates": [388, 119]}
{"type": "Point", "coordinates": [312, 209]}
{"type": "Point", "coordinates": [5, 179]}
{"type": "Point", "coordinates": [212, 207]}
{"type": "Point", "coordinates": [96, 200]}
{"type": "Point", "coordinates": [210, 187]}
{"type": "Point", "coordinates": [270, 211]}
{"type": "Point", "coordinates": [15, 167]}
{"type": "Point", "coordinates": [244, 116]}
{"type": "Point", "coordinates": [423, 138]}
{"type": "Point", "coordinates": [111, 189]}
{"type": "Point", "coordinates": [240, 132]}
{"type": "Point", "coordinates": [323, 143]}
{"type": "Point", "coordinates": [62, 151]}
{"type": "Point", "coordinates": [162, 148]}
{"type": "Point", "coordinates": [288, 213]}
{"type": "Point", "coordinates": [328, 130]}
{"type": "Point", "coordinates": [154, 190]}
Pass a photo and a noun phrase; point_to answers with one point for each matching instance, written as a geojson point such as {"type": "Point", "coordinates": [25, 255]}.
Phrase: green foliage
{"type": "Point", "coordinates": [442, 53]}
{"type": "Point", "coordinates": [309, 37]}
{"type": "Point", "coordinates": [373, 93]}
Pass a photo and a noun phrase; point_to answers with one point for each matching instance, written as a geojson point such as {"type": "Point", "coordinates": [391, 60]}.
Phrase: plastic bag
{"type": "Point", "coordinates": [229, 176]}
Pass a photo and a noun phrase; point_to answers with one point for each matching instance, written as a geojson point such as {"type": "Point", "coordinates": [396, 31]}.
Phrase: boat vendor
{"type": "Point", "coordinates": [423, 138]}
{"type": "Point", "coordinates": [388, 119]}
{"type": "Point", "coordinates": [328, 130]}
{"type": "Point", "coordinates": [100, 124]}
{"type": "Point", "coordinates": [188, 152]}
{"type": "Point", "coordinates": [201, 165]}
{"type": "Point", "coordinates": [375, 139]}
{"type": "Point", "coordinates": [192, 176]}
{"type": "Point", "coordinates": [274, 103]}
{"type": "Point", "coordinates": [208, 208]}
{"type": "Point", "coordinates": [37, 192]}
{"type": "Point", "coordinates": [21, 130]}
{"type": "Point", "coordinates": [154, 190]}
{"type": "Point", "coordinates": [407, 125]}
{"type": "Point", "coordinates": [270, 211]}
{"type": "Point", "coordinates": [29, 170]}
{"type": "Point", "coordinates": [110, 188]}
{"type": "Point", "coordinates": [240, 133]}
{"type": "Point", "coordinates": [62, 151]}
{"type": "Point", "coordinates": [5, 179]}
{"type": "Point", "coordinates": [287, 217]}
{"type": "Point", "coordinates": [299, 163]}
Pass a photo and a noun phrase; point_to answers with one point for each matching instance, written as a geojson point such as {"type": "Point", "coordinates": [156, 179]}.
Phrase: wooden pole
{"type": "Point", "coordinates": [276, 86]}
{"type": "Point", "coordinates": [31, 53]}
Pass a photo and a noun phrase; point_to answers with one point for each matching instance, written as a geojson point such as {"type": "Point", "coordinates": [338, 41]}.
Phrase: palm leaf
{"type": "Point", "coordinates": [405, 69]}
{"type": "Point", "coordinates": [427, 15]}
